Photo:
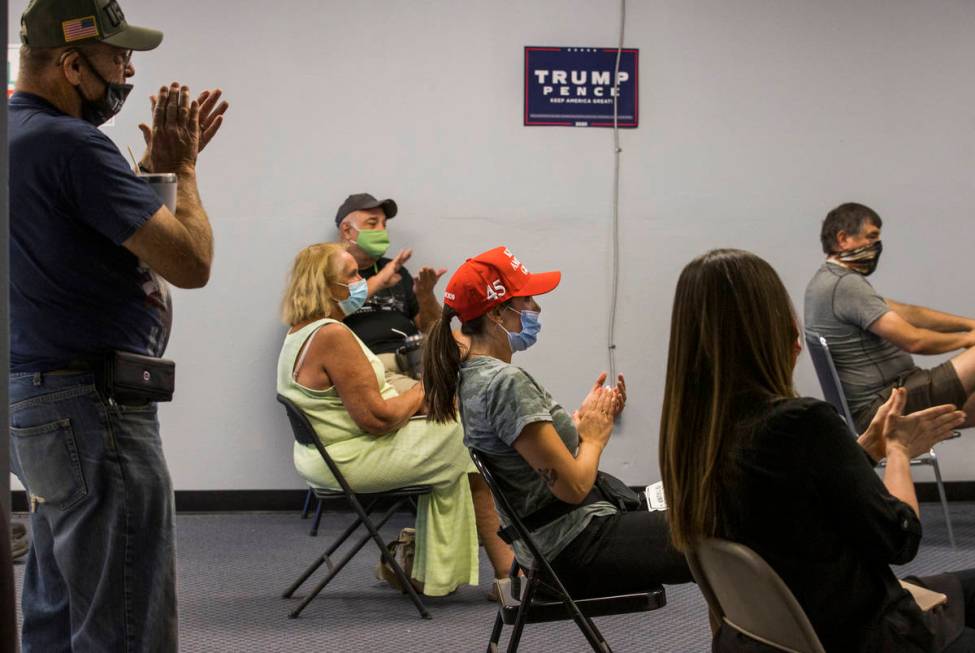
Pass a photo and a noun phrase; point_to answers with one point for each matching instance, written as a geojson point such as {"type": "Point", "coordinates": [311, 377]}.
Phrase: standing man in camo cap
{"type": "Point", "coordinates": [91, 249]}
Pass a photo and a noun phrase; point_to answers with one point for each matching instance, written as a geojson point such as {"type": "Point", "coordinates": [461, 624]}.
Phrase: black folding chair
{"type": "Point", "coordinates": [829, 381]}
{"type": "Point", "coordinates": [309, 497]}
{"type": "Point", "coordinates": [305, 434]}
{"type": "Point", "coordinates": [520, 603]}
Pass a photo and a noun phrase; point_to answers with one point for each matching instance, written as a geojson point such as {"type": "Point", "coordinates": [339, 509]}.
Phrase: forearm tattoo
{"type": "Point", "coordinates": [550, 476]}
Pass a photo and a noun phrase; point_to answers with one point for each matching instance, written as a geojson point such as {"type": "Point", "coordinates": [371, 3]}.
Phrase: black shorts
{"type": "Point", "coordinates": [925, 388]}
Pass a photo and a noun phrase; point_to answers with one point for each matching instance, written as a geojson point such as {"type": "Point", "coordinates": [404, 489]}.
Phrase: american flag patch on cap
{"type": "Point", "coordinates": [79, 28]}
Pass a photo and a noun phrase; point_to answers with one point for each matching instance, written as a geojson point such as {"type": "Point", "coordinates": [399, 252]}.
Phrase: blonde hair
{"type": "Point", "coordinates": [308, 296]}
{"type": "Point", "coordinates": [732, 335]}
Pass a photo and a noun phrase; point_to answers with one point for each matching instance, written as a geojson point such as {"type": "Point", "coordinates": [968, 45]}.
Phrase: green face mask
{"type": "Point", "coordinates": [374, 242]}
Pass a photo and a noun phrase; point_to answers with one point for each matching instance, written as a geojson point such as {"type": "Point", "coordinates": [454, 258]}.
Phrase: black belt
{"type": "Point", "coordinates": [129, 378]}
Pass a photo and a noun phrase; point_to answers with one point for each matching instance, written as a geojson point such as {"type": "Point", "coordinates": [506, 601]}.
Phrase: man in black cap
{"type": "Point", "coordinates": [91, 247]}
{"type": "Point", "coordinates": [398, 306]}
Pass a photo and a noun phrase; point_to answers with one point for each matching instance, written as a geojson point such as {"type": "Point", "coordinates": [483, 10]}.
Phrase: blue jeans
{"type": "Point", "coordinates": [101, 574]}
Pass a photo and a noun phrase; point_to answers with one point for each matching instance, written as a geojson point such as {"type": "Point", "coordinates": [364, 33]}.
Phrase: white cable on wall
{"type": "Point", "coordinates": [611, 345]}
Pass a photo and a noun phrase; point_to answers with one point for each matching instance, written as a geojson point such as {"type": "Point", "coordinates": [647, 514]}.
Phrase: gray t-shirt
{"type": "Point", "coordinates": [840, 306]}
{"type": "Point", "coordinates": [497, 401]}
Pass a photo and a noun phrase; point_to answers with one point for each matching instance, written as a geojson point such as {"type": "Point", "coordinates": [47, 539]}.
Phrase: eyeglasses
{"type": "Point", "coordinates": [122, 58]}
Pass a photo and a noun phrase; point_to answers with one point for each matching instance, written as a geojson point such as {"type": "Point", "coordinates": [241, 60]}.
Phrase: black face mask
{"type": "Point", "coordinates": [100, 111]}
{"type": "Point", "coordinates": [862, 259]}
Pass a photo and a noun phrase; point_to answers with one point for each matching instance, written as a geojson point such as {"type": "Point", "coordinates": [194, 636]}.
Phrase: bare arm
{"type": "Point", "coordinates": [568, 477]}
{"type": "Point", "coordinates": [338, 353]}
{"type": "Point", "coordinates": [180, 247]}
{"type": "Point", "coordinates": [908, 436]}
{"type": "Point", "coordinates": [918, 432]}
{"type": "Point", "coordinates": [429, 312]}
{"type": "Point", "coordinates": [390, 275]}
{"type": "Point", "coordinates": [426, 280]}
{"type": "Point", "coordinates": [897, 477]}
{"type": "Point", "coordinates": [926, 318]}
{"type": "Point", "coordinates": [894, 328]}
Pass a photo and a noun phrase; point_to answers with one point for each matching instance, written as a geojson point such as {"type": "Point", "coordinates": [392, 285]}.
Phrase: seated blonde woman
{"type": "Point", "coordinates": [340, 385]}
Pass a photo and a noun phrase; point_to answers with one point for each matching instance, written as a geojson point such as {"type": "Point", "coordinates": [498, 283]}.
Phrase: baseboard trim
{"type": "Point", "coordinates": [293, 500]}
{"type": "Point", "coordinates": [217, 500]}
{"type": "Point", "coordinates": [954, 491]}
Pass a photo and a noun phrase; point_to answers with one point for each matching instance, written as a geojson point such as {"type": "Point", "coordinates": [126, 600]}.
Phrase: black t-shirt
{"type": "Point", "coordinates": [392, 308]}
{"type": "Point", "coordinates": [803, 494]}
{"type": "Point", "coordinates": [74, 290]}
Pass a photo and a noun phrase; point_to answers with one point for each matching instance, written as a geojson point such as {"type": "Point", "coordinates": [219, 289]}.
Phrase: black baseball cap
{"type": "Point", "coordinates": [361, 201]}
{"type": "Point", "coordinates": [57, 23]}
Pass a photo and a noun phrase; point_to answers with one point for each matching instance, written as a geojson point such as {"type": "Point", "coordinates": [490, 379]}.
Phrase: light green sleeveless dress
{"type": "Point", "coordinates": [419, 453]}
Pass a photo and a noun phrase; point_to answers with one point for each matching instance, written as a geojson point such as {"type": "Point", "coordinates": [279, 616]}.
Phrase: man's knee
{"type": "Point", "coordinates": [964, 366]}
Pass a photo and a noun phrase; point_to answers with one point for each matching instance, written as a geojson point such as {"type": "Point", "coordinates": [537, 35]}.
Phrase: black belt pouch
{"type": "Point", "coordinates": [132, 377]}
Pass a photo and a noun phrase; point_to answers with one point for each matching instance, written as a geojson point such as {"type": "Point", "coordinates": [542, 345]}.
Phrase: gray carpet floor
{"type": "Point", "coordinates": [233, 568]}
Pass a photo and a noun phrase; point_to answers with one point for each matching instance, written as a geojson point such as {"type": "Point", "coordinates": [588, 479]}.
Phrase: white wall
{"type": "Point", "coordinates": [758, 116]}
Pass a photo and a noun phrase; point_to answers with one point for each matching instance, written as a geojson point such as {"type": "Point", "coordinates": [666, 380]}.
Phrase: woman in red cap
{"type": "Point", "coordinates": [539, 453]}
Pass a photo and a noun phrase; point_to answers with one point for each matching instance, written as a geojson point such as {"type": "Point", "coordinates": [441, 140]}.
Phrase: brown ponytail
{"type": "Point", "coordinates": [441, 365]}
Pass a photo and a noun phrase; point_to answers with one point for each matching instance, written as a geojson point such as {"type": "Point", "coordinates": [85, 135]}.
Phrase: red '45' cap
{"type": "Point", "coordinates": [493, 278]}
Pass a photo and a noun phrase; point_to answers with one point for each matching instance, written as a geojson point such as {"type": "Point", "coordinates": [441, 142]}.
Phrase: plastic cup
{"type": "Point", "coordinates": [164, 183]}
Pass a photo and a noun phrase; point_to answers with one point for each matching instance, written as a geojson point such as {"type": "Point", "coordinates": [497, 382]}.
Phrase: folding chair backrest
{"type": "Point", "coordinates": [829, 378]}
{"type": "Point", "coordinates": [304, 433]}
{"type": "Point", "coordinates": [750, 597]}
{"type": "Point", "coordinates": [502, 502]}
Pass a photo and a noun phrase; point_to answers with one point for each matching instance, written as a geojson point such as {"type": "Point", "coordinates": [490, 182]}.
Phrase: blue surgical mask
{"type": "Point", "coordinates": [531, 325]}
{"type": "Point", "coordinates": [358, 292]}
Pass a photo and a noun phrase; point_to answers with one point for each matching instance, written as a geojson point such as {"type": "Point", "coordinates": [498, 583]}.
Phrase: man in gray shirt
{"type": "Point", "coordinates": [872, 338]}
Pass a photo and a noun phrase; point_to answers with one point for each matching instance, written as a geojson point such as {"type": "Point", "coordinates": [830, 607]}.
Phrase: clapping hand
{"type": "Point", "coordinates": [620, 391]}
{"type": "Point", "coordinates": [389, 276]}
{"type": "Point", "coordinates": [426, 280]}
{"type": "Point", "coordinates": [594, 418]}
{"type": "Point", "coordinates": [209, 120]}
{"type": "Point", "coordinates": [918, 432]}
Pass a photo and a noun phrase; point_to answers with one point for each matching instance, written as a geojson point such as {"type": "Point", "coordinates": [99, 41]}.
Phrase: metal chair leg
{"type": "Point", "coordinates": [318, 519]}
{"type": "Point", "coordinates": [304, 576]}
{"type": "Point", "coordinates": [495, 640]}
{"type": "Point", "coordinates": [496, 633]}
{"type": "Point", "coordinates": [591, 633]}
{"type": "Point", "coordinates": [374, 534]}
{"type": "Point", "coordinates": [324, 558]}
{"type": "Point", "coordinates": [526, 601]}
{"type": "Point", "coordinates": [944, 499]}
{"type": "Point", "coordinates": [340, 540]}
{"type": "Point", "coordinates": [400, 574]}
{"type": "Point", "coordinates": [308, 496]}
{"type": "Point", "coordinates": [585, 624]}
{"type": "Point", "coordinates": [332, 573]}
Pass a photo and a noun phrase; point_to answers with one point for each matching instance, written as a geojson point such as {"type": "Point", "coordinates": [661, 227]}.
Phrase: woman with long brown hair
{"type": "Point", "coordinates": [545, 460]}
{"type": "Point", "coordinates": [744, 459]}
{"type": "Point", "coordinates": [372, 432]}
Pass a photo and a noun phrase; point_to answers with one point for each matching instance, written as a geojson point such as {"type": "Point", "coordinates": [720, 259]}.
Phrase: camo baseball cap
{"type": "Point", "coordinates": [57, 23]}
